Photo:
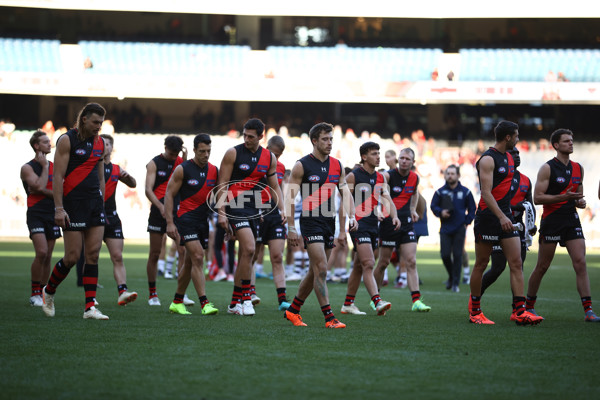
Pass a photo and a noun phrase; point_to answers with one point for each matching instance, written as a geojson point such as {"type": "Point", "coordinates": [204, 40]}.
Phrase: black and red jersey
{"type": "Point", "coordinates": [367, 192]}
{"type": "Point", "coordinates": [266, 193]}
{"type": "Point", "coordinates": [318, 186]}
{"type": "Point", "coordinates": [248, 170]}
{"type": "Point", "coordinates": [111, 179]}
{"type": "Point", "coordinates": [520, 188]}
{"type": "Point", "coordinates": [402, 189]}
{"type": "Point", "coordinates": [37, 202]}
{"type": "Point", "coordinates": [504, 169]}
{"type": "Point", "coordinates": [562, 178]}
{"type": "Point", "coordinates": [197, 182]}
{"type": "Point", "coordinates": [164, 170]}
{"type": "Point", "coordinates": [81, 177]}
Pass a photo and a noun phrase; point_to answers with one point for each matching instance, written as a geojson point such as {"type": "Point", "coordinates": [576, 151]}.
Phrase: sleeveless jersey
{"type": "Point", "coordinates": [318, 186]}
{"type": "Point", "coordinates": [521, 186]}
{"type": "Point", "coordinates": [504, 169]}
{"type": "Point", "coordinates": [248, 170]}
{"type": "Point", "coordinates": [562, 178]}
{"type": "Point", "coordinates": [39, 202]}
{"type": "Point", "coordinates": [401, 191]}
{"type": "Point", "coordinates": [164, 170]}
{"type": "Point", "coordinates": [266, 193]}
{"type": "Point", "coordinates": [367, 191]}
{"type": "Point", "coordinates": [195, 189]}
{"type": "Point", "coordinates": [111, 179]}
{"type": "Point", "coordinates": [81, 177]}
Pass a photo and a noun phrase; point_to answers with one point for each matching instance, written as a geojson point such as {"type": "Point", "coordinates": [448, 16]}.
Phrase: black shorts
{"type": "Point", "coordinates": [113, 228]}
{"type": "Point", "coordinates": [191, 229]}
{"type": "Point", "coordinates": [271, 228]}
{"type": "Point", "coordinates": [243, 218]}
{"type": "Point", "coordinates": [487, 229]}
{"type": "Point", "coordinates": [560, 229]}
{"type": "Point", "coordinates": [496, 248]}
{"type": "Point", "coordinates": [318, 230]}
{"type": "Point", "coordinates": [42, 223]}
{"type": "Point", "coordinates": [84, 213]}
{"type": "Point", "coordinates": [156, 222]}
{"type": "Point", "coordinates": [365, 235]}
{"type": "Point", "coordinates": [388, 237]}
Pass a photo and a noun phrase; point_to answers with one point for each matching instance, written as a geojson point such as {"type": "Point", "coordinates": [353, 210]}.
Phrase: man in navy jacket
{"type": "Point", "coordinates": [454, 205]}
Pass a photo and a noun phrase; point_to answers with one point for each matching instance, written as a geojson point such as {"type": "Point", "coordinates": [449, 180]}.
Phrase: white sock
{"type": "Point", "coordinates": [298, 261]}
{"type": "Point", "coordinates": [169, 264]}
{"type": "Point", "coordinates": [258, 268]}
{"type": "Point", "coordinates": [466, 271]}
{"type": "Point", "coordinates": [161, 265]}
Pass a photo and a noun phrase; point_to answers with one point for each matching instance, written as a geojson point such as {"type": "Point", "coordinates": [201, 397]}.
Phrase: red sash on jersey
{"type": "Point", "coordinates": [501, 190]}
{"type": "Point", "coordinates": [368, 206]}
{"type": "Point", "coordinates": [524, 186]}
{"type": "Point", "coordinates": [111, 183]}
{"type": "Point", "coordinates": [249, 182]}
{"type": "Point", "coordinates": [407, 191]}
{"type": "Point", "coordinates": [161, 189]}
{"type": "Point", "coordinates": [266, 193]}
{"type": "Point", "coordinates": [33, 199]}
{"type": "Point", "coordinates": [573, 184]}
{"type": "Point", "coordinates": [198, 199]}
{"type": "Point", "coordinates": [83, 171]}
{"type": "Point", "coordinates": [326, 190]}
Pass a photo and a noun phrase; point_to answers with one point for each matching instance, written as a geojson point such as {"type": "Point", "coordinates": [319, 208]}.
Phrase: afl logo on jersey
{"type": "Point", "coordinates": [162, 173]}
{"type": "Point", "coordinates": [314, 178]}
{"type": "Point", "coordinates": [502, 170]}
{"type": "Point", "coordinates": [244, 167]}
{"type": "Point", "coordinates": [397, 189]}
{"type": "Point", "coordinates": [80, 152]}
{"type": "Point", "coordinates": [560, 179]}
{"type": "Point", "coordinates": [193, 182]}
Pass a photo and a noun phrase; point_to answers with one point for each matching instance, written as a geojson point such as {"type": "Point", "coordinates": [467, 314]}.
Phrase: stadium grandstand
{"type": "Point", "coordinates": [434, 76]}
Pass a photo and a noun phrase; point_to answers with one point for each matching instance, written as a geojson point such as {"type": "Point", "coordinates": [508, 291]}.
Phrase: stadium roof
{"type": "Point", "coordinates": [338, 8]}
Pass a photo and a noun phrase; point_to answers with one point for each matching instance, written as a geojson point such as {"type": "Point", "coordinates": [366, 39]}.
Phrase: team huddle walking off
{"type": "Point", "coordinates": [76, 193]}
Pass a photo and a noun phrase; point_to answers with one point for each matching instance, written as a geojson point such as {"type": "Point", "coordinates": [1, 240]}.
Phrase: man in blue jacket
{"type": "Point", "coordinates": [454, 205]}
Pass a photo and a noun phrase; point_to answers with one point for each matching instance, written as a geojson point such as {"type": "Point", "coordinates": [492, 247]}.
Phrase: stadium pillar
{"type": "Point", "coordinates": [248, 30]}
{"type": "Point", "coordinates": [435, 119]}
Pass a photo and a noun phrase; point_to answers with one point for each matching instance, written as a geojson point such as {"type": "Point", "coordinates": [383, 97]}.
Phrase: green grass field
{"type": "Point", "coordinates": [145, 352]}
